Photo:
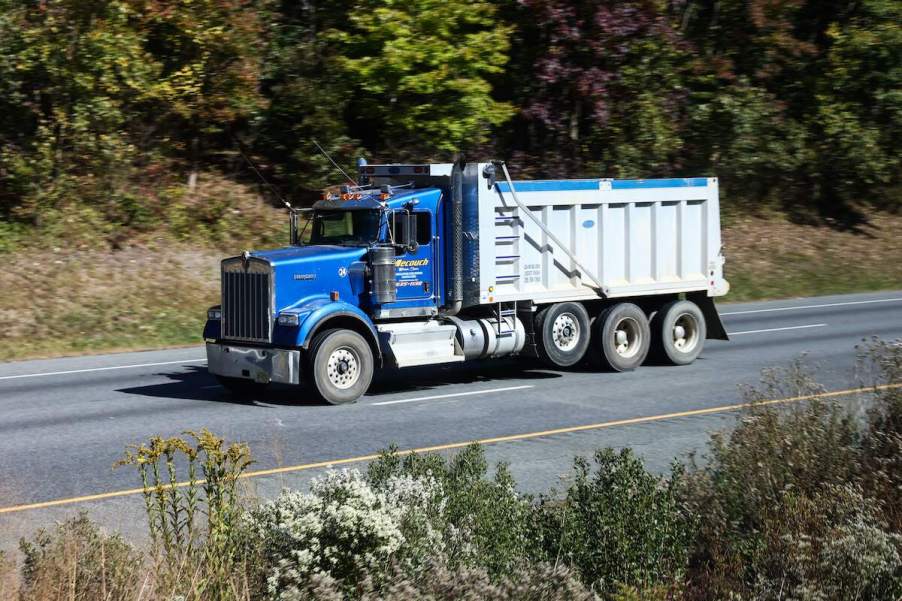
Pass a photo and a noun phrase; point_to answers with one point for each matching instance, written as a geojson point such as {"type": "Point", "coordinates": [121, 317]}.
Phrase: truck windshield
{"type": "Point", "coordinates": [353, 228]}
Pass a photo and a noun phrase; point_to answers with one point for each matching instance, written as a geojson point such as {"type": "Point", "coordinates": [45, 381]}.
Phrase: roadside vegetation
{"type": "Point", "coordinates": [796, 502]}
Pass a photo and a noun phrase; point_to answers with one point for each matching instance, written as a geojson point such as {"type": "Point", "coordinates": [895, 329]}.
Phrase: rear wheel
{"type": "Point", "coordinates": [679, 332]}
{"type": "Point", "coordinates": [621, 338]}
{"type": "Point", "coordinates": [341, 366]}
{"type": "Point", "coordinates": [240, 387]}
{"type": "Point", "coordinates": [563, 331]}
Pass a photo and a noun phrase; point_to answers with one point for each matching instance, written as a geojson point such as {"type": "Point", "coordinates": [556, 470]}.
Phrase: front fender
{"type": "Point", "coordinates": [314, 314]}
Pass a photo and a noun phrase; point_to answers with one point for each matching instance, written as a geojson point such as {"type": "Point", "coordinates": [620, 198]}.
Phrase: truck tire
{"type": "Point", "coordinates": [563, 332]}
{"type": "Point", "coordinates": [621, 337]}
{"type": "Point", "coordinates": [241, 387]}
{"type": "Point", "coordinates": [678, 329]}
{"type": "Point", "coordinates": [340, 366]}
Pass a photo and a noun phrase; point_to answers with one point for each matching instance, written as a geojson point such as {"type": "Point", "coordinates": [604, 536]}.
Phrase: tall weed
{"type": "Point", "coordinates": [195, 525]}
{"type": "Point", "coordinates": [880, 363]}
{"type": "Point", "coordinates": [777, 494]}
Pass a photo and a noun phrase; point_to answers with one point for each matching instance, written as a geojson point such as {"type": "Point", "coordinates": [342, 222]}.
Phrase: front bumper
{"type": "Point", "coordinates": [262, 365]}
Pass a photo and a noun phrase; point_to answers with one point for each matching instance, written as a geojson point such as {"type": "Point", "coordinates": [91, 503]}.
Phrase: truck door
{"type": "Point", "coordinates": [414, 269]}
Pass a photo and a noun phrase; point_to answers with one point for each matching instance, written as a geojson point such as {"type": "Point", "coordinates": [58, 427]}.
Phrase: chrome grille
{"type": "Point", "coordinates": [246, 300]}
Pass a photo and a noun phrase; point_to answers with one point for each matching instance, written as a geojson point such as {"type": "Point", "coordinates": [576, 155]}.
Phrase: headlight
{"type": "Point", "coordinates": [288, 319]}
{"type": "Point", "coordinates": [214, 314]}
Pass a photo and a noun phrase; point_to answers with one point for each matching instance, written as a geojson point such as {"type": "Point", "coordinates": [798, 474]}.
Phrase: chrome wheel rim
{"type": "Point", "coordinates": [685, 333]}
{"type": "Point", "coordinates": [627, 337]}
{"type": "Point", "coordinates": [343, 367]}
{"type": "Point", "coordinates": [565, 332]}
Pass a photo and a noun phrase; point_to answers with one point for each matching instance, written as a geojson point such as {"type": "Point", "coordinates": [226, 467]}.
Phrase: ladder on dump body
{"type": "Point", "coordinates": [524, 211]}
{"type": "Point", "coordinates": [502, 328]}
{"type": "Point", "coordinates": [513, 240]}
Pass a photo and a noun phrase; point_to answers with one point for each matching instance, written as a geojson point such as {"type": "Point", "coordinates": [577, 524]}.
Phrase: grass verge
{"type": "Point", "coordinates": [773, 258]}
{"type": "Point", "coordinates": [63, 301]}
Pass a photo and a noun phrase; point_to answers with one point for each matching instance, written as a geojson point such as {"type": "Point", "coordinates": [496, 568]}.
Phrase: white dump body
{"type": "Point", "coordinates": [614, 238]}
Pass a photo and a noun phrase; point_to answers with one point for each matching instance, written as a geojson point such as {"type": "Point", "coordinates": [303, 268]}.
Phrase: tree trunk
{"type": "Point", "coordinates": [192, 177]}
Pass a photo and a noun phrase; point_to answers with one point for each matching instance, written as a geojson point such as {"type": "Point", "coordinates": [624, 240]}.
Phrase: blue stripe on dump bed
{"type": "Point", "coordinates": [562, 185]}
{"type": "Point", "coordinates": [551, 185]}
{"type": "Point", "coordinates": [677, 182]}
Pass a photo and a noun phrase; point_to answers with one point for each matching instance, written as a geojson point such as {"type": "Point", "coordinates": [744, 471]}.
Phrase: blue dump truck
{"type": "Point", "coordinates": [420, 264]}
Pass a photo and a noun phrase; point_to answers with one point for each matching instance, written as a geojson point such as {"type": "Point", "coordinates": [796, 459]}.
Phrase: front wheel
{"type": "Point", "coordinates": [341, 366]}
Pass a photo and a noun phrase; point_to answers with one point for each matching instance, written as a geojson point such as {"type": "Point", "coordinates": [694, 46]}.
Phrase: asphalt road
{"type": "Point", "coordinates": [64, 422]}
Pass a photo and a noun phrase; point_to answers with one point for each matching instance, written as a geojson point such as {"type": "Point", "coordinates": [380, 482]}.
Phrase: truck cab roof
{"type": "Point", "coordinates": [427, 198]}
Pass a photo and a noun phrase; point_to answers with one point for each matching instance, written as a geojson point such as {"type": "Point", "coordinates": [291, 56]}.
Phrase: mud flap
{"type": "Point", "coordinates": [715, 328]}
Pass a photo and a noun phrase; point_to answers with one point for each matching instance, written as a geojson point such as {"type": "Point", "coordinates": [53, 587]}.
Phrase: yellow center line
{"type": "Point", "coordinates": [458, 445]}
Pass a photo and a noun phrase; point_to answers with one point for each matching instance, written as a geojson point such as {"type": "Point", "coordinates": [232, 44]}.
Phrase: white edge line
{"type": "Point", "coordinates": [453, 394]}
{"type": "Point", "coordinates": [813, 325]}
{"type": "Point", "coordinates": [863, 302]}
{"type": "Point", "coordinates": [81, 371]}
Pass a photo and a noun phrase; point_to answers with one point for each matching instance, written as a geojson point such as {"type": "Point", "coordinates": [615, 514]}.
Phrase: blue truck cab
{"type": "Point", "coordinates": [425, 264]}
{"type": "Point", "coordinates": [363, 255]}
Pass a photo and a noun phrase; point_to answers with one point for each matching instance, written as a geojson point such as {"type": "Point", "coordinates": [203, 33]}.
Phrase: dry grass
{"type": "Point", "coordinates": [72, 302]}
{"type": "Point", "coordinates": [81, 296]}
{"type": "Point", "coordinates": [66, 301]}
{"type": "Point", "coordinates": [773, 258]}
{"type": "Point", "coordinates": [9, 578]}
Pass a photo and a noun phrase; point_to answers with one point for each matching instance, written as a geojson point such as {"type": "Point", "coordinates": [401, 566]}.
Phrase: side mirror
{"type": "Point", "coordinates": [412, 244]}
{"type": "Point", "coordinates": [405, 230]}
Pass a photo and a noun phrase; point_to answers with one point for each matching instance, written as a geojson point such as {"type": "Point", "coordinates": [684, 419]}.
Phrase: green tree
{"type": "Point", "coordinates": [801, 104]}
{"type": "Point", "coordinates": [72, 75]}
{"type": "Point", "coordinates": [421, 70]}
{"type": "Point", "coordinates": [609, 87]}
{"type": "Point", "coordinates": [93, 90]}
{"type": "Point", "coordinates": [308, 96]}
{"type": "Point", "coordinates": [859, 116]}
{"type": "Point", "coordinates": [210, 57]}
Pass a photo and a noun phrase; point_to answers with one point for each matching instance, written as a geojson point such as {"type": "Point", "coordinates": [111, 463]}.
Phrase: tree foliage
{"type": "Point", "coordinates": [609, 87]}
{"type": "Point", "coordinates": [420, 71]}
{"type": "Point", "coordinates": [104, 104]}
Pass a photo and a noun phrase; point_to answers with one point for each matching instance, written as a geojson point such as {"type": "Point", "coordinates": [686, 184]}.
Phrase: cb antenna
{"type": "Point", "coordinates": [326, 154]}
{"type": "Point", "coordinates": [254, 168]}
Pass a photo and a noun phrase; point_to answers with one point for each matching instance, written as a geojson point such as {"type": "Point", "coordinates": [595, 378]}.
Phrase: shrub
{"type": "Point", "coordinates": [484, 521]}
{"type": "Point", "coordinates": [441, 583]}
{"type": "Point", "coordinates": [781, 495]}
{"type": "Point", "coordinates": [881, 362]}
{"type": "Point", "coordinates": [619, 526]}
{"type": "Point", "coordinates": [77, 562]}
{"type": "Point", "coordinates": [346, 530]}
